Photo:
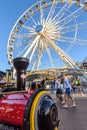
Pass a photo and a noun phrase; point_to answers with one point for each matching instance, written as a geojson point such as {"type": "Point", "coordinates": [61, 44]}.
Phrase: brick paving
{"type": "Point", "coordinates": [74, 118]}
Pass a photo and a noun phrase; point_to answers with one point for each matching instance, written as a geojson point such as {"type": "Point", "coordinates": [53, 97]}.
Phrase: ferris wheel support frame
{"type": "Point", "coordinates": [53, 26]}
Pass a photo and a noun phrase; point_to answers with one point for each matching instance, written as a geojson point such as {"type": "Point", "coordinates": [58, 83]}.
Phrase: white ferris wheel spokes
{"type": "Point", "coordinates": [46, 32]}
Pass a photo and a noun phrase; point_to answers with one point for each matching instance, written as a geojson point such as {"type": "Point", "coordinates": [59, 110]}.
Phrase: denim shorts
{"type": "Point", "coordinates": [68, 91]}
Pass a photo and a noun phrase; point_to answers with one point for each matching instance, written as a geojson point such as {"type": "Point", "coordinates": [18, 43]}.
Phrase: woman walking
{"type": "Point", "coordinates": [68, 94]}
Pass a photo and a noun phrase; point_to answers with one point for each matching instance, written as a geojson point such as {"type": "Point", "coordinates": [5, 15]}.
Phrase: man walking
{"type": "Point", "coordinates": [58, 89]}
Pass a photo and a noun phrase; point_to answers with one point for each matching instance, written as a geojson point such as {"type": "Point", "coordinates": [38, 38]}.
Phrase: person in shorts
{"type": "Point", "coordinates": [68, 94]}
{"type": "Point", "coordinates": [78, 86]}
{"type": "Point", "coordinates": [58, 90]}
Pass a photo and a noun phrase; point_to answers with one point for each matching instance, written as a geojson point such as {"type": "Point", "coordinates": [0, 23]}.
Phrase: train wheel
{"type": "Point", "coordinates": [43, 113]}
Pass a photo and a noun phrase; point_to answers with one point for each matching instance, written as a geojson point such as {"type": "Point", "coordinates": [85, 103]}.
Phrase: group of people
{"type": "Point", "coordinates": [76, 86]}
{"type": "Point", "coordinates": [64, 93]}
{"type": "Point", "coordinates": [64, 97]}
{"type": "Point", "coordinates": [35, 85]}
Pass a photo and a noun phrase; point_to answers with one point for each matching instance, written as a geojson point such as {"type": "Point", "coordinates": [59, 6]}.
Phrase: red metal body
{"type": "Point", "coordinates": [21, 110]}
{"type": "Point", "coordinates": [12, 108]}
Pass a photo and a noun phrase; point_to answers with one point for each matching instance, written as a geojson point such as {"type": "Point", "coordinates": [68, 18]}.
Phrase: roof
{"type": "Point", "coordinates": [2, 74]}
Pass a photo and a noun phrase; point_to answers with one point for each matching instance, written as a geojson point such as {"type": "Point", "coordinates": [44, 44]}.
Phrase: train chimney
{"type": "Point", "coordinates": [21, 65]}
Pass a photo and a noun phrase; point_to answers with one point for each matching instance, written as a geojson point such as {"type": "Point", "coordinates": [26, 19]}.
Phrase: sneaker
{"type": "Point", "coordinates": [63, 102]}
{"type": "Point", "coordinates": [65, 106]}
{"type": "Point", "coordinates": [74, 105]}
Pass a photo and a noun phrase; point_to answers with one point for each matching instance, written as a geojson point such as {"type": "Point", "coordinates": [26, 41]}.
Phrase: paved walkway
{"type": "Point", "coordinates": [74, 118]}
{"type": "Point", "coordinates": [80, 95]}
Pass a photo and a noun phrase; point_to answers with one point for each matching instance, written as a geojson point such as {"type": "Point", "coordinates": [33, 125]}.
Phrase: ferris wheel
{"type": "Point", "coordinates": [47, 31]}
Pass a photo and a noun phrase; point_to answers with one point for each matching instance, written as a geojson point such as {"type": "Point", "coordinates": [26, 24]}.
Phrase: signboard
{"type": "Point", "coordinates": [5, 126]}
{"type": "Point", "coordinates": [23, 76]}
{"type": "Point", "coordinates": [85, 64]}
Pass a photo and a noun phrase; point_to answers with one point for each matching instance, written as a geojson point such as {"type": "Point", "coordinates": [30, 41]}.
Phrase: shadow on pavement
{"type": "Point", "coordinates": [73, 118]}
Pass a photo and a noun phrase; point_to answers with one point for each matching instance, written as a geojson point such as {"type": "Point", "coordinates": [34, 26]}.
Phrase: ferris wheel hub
{"type": "Point", "coordinates": [38, 28]}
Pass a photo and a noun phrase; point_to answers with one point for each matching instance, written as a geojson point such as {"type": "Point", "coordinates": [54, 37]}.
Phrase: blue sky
{"type": "Point", "coordinates": [10, 11]}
